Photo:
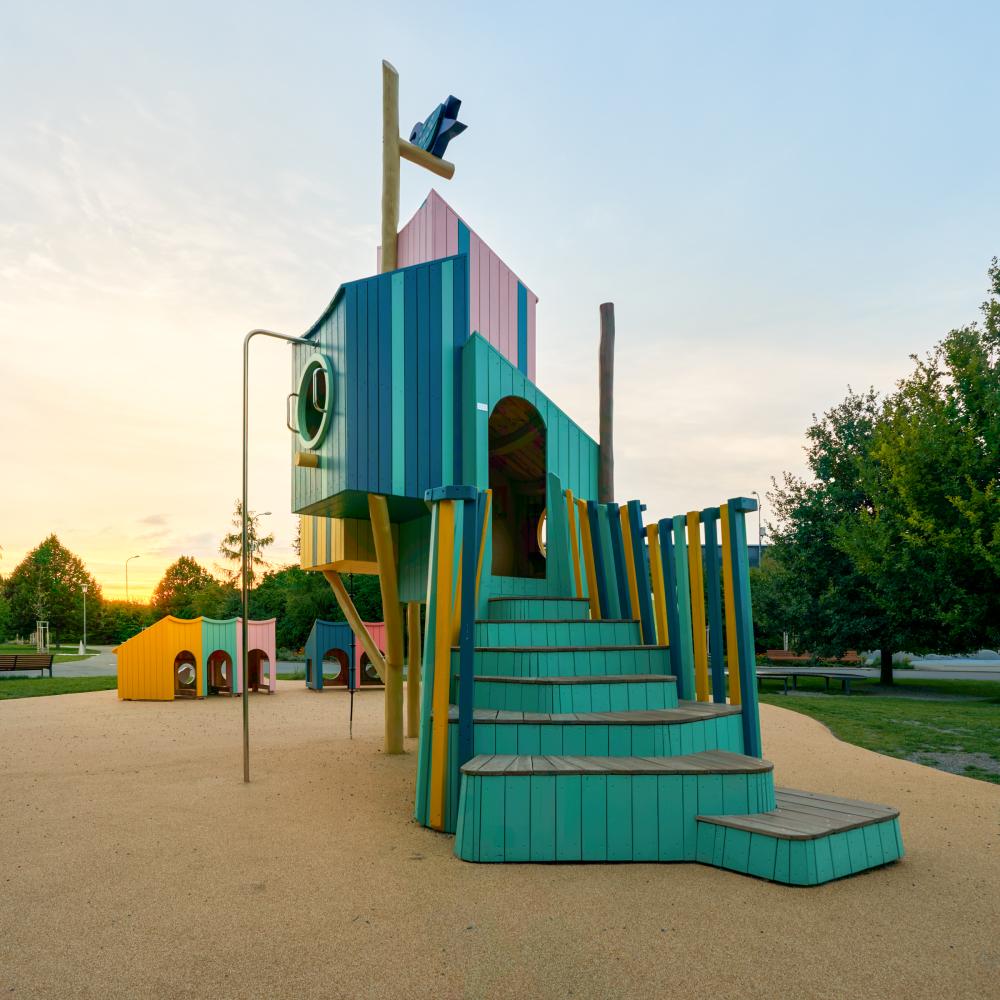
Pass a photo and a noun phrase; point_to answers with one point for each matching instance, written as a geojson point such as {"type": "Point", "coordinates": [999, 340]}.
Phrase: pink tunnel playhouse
{"type": "Point", "coordinates": [262, 663]}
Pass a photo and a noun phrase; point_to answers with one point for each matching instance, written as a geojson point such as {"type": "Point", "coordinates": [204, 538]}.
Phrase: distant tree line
{"type": "Point", "coordinates": [48, 585]}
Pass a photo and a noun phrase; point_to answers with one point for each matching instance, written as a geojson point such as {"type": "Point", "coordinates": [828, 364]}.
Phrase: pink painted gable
{"type": "Point", "coordinates": [431, 234]}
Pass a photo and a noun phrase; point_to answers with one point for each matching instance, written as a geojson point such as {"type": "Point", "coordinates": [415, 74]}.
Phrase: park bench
{"type": "Point", "coordinates": [788, 656]}
{"type": "Point", "coordinates": [784, 673]}
{"type": "Point", "coordinates": [26, 661]}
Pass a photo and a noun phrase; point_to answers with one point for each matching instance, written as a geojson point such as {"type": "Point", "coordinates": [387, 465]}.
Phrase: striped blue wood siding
{"type": "Point", "coordinates": [395, 341]}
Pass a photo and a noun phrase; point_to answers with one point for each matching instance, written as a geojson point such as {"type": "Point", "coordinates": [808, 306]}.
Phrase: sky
{"type": "Point", "coordinates": [781, 199]}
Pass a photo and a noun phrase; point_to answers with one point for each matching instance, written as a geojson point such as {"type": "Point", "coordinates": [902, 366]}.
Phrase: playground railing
{"type": "Point", "coordinates": [689, 595]}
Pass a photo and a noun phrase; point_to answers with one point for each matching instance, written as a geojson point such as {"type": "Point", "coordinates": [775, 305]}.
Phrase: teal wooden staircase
{"type": "Point", "coordinates": [573, 744]}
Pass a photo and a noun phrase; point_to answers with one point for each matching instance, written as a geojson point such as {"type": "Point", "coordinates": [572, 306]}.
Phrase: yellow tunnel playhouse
{"type": "Point", "coordinates": [195, 657]}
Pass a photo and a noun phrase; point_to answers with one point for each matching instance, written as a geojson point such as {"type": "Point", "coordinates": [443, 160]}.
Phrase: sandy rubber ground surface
{"type": "Point", "coordinates": [135, 863]}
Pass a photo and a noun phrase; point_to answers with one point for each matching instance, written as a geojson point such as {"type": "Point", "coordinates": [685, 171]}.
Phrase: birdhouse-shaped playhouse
{"type": "Point", "coordinates": [422, 378]}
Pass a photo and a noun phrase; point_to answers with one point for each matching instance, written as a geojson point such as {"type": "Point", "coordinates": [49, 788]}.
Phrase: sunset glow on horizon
{"type": "Point", "coordinates": [767, 234]}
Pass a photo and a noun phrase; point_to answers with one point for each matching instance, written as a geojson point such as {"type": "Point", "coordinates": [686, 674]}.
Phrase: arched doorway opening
{"type": "Point", "coordinates": [185, 675]}
{"type": "Point", "coordinates": [334, 668]}
{"type": "Point", "coordinates": [517, 443]}
{"type": "Point", "coordinates": [367, 674]}
{"type": "Point", "coordinates": [220, 672]}
{"type": "Point", "coordinates": [257, 668]}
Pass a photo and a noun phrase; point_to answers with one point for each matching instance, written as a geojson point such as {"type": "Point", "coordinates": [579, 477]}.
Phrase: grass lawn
{"type": "Point", "coordinates": [35, 687]}
{"type": "Point", "coordinates": [951, 725]}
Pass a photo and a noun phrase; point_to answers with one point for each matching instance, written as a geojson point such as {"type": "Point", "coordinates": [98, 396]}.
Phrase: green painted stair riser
{"type": "Point", "coordinates": [800, 862]}
{"type": "Point", "coordinates": [527, 609]}
{"type": "Point", "coordinates": [612, 740]}
{"type": "Point", "coordinates": [633, 695]}
{"type": "Point", "coordinates": [594, 817]}
{"type": "Point", "coordinates": [568, 662]}
{"type": "Point", "coordinates": [567, 739]}
{"type": "Point", "coordinates": [558, 633]}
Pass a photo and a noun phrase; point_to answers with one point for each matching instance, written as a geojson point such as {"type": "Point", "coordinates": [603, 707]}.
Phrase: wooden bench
{"type": "Point", "coordinates": [26, 661]}
{"type": "Point", "coordinates": [844, 676]}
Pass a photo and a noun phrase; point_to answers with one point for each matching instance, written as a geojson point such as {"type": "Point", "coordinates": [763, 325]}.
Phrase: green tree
{"type": "Point", "coordinates": [231, 547]}
{"type": "Point", "coordinates": [120, 620]}
{"type": "Point", "coordinates": [894, 540]}
{"type": "Point", "coordinates": [178, 591]}
{"type": "Point", "coordinates": [48, 584]}
{"type": "Point", "coordinates": [6, 618]}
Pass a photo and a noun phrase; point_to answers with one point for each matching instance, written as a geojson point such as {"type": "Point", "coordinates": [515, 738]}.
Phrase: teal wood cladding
{"type": "Point", "coordinates": [395, 341]}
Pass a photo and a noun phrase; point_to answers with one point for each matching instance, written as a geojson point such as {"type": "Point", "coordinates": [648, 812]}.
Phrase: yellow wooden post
{"type": "Point", "coordinates": [732, 646]}
{"type": "Point", "coordinates": [413, 669]}
{"type": "Point", "coordinates": [385, 552]}
{"type": "Point", "coordinates": [633, 586]}
{"type": "Point", "coordinates": [696, 574]}
{"type": "Point", "coordinates": [354, 620]}
{"type": "Point", "coordinates": [574, 542]}
{"type": "Point", "coordinates": [487, 507]}
{"type": "Point", "coordinates": [442, 662]}
{"type": "Point", "coordinates": [659, 588]}
{"type": "Point", "coordinates": [588, 561]}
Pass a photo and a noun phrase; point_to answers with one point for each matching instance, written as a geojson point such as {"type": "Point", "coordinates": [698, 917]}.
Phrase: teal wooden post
{"type": "Point", "coordinates": [713, 582]}
{"type": "Point", "coordinates": [643, 581]}
{"type": "Point", "coordinates": [558, 570]}
{"type": "Point", "coordinates": [608, 558]}
{"type": "Point", "coordinates": [739, 507]}
{"type": "Point", "coordinates": [685, 679]}
{"type": "Point", "coordinates": [618, 550]}
{"type": "Point", "coordinates": [666, 532]}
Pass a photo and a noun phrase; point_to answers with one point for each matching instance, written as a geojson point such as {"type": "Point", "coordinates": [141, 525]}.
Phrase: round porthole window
{"type": "Point", "coordinates": [315, 405]}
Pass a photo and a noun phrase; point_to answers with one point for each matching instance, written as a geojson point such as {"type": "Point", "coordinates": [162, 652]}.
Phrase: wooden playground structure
{"type": "Point", "coordinates": [587, 689]}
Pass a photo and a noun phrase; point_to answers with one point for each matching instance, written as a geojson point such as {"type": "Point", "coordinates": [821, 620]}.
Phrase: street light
{"type": "Point", "coordinates": [760, 532]}
{"type": "Point", "coordinates": [127, 561]}
{"type": "Point", "coordinates": [84, 618]}
{"type": "Point", "coordinates": [244, 595]}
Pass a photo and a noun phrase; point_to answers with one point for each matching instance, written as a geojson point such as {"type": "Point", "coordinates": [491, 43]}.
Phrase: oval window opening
{"type": "Point", "coordinates": [315, 400]}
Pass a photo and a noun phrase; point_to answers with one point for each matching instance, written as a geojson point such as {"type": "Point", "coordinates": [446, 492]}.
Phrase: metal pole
{"type": "Point", "coordinates": [606, 390]}
{"type": "Point", "coordinates": [127, 561]}
{"type": "Point", "coordinates": [243, 547]}
{"type": "Point", "coordinates": [760, 533]}
{"type": "Point", "coordinates": [85, 618]}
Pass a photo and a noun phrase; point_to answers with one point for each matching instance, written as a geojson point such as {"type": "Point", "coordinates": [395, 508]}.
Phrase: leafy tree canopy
{"type": "Point", "coordinates": [177, 592]}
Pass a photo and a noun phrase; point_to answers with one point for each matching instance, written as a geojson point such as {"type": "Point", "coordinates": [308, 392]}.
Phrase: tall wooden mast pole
{"type": "Point", "coordinates": [390, 165]}
{"type": "Point", "coordinates": [606, 384]}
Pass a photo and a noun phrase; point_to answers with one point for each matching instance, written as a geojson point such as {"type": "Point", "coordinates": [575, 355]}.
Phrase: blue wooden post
{"type": "Point", "coordinates": [618, 552]}
{"type": "Point", "coordinates": [471, 518]}
{"type": "Point", "coordinates": [643, 581]}
{"type": "Point", "coordinates": [598, 549]}
{"type": "Point", "coordinates": [713, 583]}
{"type": "Point", "coordinates": [422, 806]}
{"type": "Point", "coordinates": [739, 507]}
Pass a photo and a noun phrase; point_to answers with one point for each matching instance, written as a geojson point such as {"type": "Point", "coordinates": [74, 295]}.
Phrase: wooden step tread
{"type": "Point", "coordinates": [538, 597]}
{"type": "Point", "coordinates": [594, 679]}
{"type": "Point", "coordinates": [562, 649]}
{"type": "Point", "coordinates": [807, 816]}
{"type": "Point", "coordinates": [687, 711]}
{"type": "Point", "coordinates": [557, 621]}
{"type": "Point", "coordinates": [704, 762]}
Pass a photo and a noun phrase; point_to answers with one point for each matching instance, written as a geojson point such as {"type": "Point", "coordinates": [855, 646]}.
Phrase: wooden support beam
{"type": "Point", "coordinates": [606, 387]}
{"type": "Point", "coordinates": [413, 645]}
{"type": "Point", "coordinates": [390, 165]}
{"type": "Point", "coordinates": [354, 620]}
{"type": "Point", "coordinates": [426, 160]}
{"type": "Point", "coordinates": [385, 552]}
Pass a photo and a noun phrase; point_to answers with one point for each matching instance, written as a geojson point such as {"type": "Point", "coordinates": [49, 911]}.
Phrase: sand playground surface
{"type": "Point", "coordinates": [136, 863]}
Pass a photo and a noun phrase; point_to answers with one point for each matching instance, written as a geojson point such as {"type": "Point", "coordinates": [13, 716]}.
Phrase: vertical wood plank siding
{"type": "Point", "coordinates": [502, 307]}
